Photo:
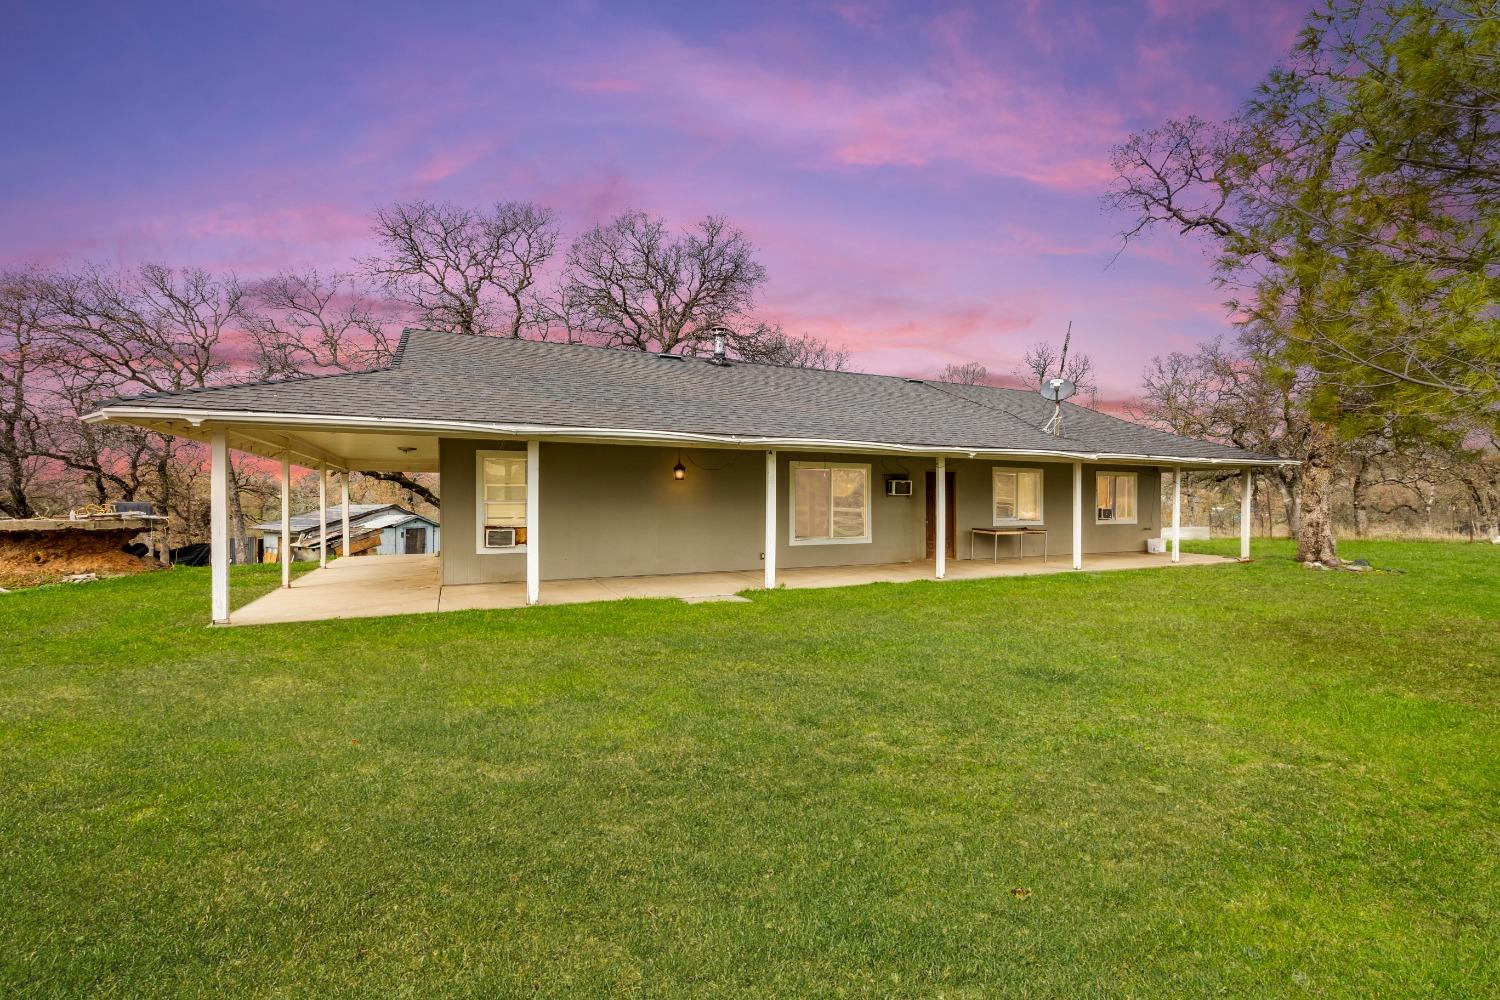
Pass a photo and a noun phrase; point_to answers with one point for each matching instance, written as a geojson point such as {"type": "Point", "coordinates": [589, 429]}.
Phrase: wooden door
{"type": "Point", "coordinates": [952, 532]}
{"type": "Point", "coordinates": [416, 541]}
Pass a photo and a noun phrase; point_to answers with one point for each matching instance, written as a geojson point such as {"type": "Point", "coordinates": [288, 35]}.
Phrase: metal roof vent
{"type": "Point", "coordinates": [720, 343]}
{"type": "Point", "coordinates": [668, 356]}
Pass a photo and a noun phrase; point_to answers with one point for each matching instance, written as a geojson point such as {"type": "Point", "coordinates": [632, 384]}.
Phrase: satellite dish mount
{"type": "Point", "coordinates": [1058, 388]}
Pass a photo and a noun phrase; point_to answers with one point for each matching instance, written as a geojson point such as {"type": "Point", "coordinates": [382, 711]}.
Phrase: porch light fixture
{"type": "Point", "coordinates": [679, 471]}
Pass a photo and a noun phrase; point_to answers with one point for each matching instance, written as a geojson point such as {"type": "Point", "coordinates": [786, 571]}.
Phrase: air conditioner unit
{"type": "Point", "coordinates": [499, 538]}
{"type": "Point", "coordinates": [1105, 514]}
{"type": "Point", "coordinates": [897, 486]}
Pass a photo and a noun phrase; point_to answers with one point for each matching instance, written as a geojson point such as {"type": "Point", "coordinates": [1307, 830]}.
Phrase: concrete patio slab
{"type": "Point", "coordinates": [372, 586]}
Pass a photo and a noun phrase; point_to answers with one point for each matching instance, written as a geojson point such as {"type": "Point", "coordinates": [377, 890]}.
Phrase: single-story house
{"type": "Point", "coordinates": [564, 461]}
{"type": "Point", "coordinates": [375, 529]}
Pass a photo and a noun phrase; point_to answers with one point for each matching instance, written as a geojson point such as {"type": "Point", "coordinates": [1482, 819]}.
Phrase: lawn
{"type": "Point", "coordinates": [1234, 780]}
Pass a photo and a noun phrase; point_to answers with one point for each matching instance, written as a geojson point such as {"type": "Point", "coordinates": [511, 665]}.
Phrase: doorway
{"type": "Point", "coordinates": [951, 532]}
{"type": "Point", "coordinates": [416, 541]}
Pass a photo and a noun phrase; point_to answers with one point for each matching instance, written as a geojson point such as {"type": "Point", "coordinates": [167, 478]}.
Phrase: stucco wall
{"type": "Point", "coordinates": [616, 511]}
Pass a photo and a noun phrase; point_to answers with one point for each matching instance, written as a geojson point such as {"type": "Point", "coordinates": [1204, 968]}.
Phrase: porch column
{"type": "Point", "coordinates": [770, 520]}
{"type": "Point", "coordinates": [284, 547]}
{"type": "Point", "coordinates": [344, 509]}
{"type": "Point", "coordinates": [323, 515]}
{"type": "Point", "coordinates": [1078, 515]}
{"type": "Point", "coordinates": [533, 519]}
{"type": "Point", "coordinates": [1247, 512]}
{"type": "Point", "coordinates": [218, 528]}
{"type": "Point", "coordinates": [940, 528]}
{"type": "Point", "coordinates": [1176, 511]}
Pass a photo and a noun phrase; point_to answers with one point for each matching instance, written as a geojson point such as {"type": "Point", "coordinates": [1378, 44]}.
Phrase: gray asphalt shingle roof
{"type": "Point", "coordinates": [444, 377]}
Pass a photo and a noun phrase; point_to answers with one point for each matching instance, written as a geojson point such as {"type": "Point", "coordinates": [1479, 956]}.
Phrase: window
{"type": "Point", "coordinates": [1017, 495]}
{"type": "Point", "coordinates": [1114, 497]}
{"type": "Point", "coordinates": [500, 499]}
{"type": "Point", "coordinates": [830, 503]}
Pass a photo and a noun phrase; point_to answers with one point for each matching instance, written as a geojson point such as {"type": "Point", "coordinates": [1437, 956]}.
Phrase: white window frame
{"type": "Point", "coordinates": [999, 522]}
{"type": "Point", "coordinates": [1135, 487]}
{"type": "Point", "coordinates": [479, 456]}
{"type": "Point", "coordinates": [791, 503]}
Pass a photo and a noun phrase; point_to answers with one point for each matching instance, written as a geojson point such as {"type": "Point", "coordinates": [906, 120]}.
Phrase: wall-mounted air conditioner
{"type": "Point", "coordinates": [499, 538]}
{"type": "Point", "coordinates": [897, 486]}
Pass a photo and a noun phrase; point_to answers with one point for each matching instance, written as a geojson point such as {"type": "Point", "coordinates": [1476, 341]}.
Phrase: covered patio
{"type": "Point", "coordinates": [374, 586]}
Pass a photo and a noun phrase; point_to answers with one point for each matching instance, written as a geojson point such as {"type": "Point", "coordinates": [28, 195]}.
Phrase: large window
{"type": "Point", "coordinates": [1114, 497]}
{"type": "Point", "coordinates": [1017, 495]}
{"type": "Point", "coordinates": [500, 479]}
{"type": "Point", "coordinates": [830, 503]}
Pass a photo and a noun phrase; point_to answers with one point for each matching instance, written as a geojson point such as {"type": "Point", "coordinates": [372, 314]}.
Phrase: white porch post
{"type": "Point", "coordinates": [533, 519]}
{"type": "Point", "coordinates": [940, 515]}
{"type": "Point", "coordinates": [284, 547]}
{"type": "Point", "coordinates": [322, 515]}
{"type": "Point", "coordinates": [1247, 512]}
{"type": "Point", "coordinates": [1176, 511]}
{"type": "Point", "coordinates": [770, 520]}
{"type": "Point", "coordinates": [1078, 515]}
{"type": "Point", "coordinates": [218, 530]}
{"type": "Point", "coordinates": [344, 509]}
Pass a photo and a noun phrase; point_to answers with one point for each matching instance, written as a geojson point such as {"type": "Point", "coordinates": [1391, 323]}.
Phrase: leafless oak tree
{"type": "Point", "coordinates": [648, 289]}
{"type": "Point", "coordinates": [968, 373]}
{"type": "Point", "coordinates": [307, 322]}
{"type": "Point", "coordinates": [461, 269]}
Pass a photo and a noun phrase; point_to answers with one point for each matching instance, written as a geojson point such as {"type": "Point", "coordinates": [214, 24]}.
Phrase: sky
{"type": "Point", "coordinates": [922, 182]}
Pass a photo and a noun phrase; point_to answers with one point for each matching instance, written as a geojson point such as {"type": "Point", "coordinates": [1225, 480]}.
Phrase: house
{"type": "Point", "coordinates": [375, 529]}
{"type": "Point", "coordinates": [564, 462]}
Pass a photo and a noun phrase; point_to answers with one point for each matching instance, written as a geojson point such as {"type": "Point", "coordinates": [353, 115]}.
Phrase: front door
{"type": "Point", "coordinates": [932, 516]}
{"type": "Point", "coordinates": [416, 541]}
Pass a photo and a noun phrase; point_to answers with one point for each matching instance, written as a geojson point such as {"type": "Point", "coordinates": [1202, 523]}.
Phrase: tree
{"type": "Point", "coordinates": [461, 269]}
{"type": "Point", "coordinates": [25, 352]}
{"type": "Point", "coordinates": [1041, 362]}
{"type": "Point", "coordinates": [1372, 279]}
{"type": "Point", "coordinates": [769, 344]}
{"type": "Point", "coordinates": [647, 289]}
{"type": "Point", "coordinates": [306, 322]}
{"type": "Point", "coordinates": [968, 373]}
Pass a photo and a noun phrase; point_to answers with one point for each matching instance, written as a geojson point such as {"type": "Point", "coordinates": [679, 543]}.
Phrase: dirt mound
{"type": "Point", "coordinates": [29, 558]}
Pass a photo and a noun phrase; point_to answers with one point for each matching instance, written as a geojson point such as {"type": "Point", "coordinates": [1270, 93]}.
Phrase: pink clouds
{"type": "Point", "coordinates": [956, 110]}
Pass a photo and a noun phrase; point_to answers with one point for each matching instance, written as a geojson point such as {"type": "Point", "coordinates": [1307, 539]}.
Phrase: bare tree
{"type": "Point", "coordinates": [968, 373]}
{"type": "Point", "coordinates": [306, 322]}
{"type": "Point", "coordinates": [462, 269]}
{"type": "Point", "coordinates": [650, 290]}
{"type": "Point", "coordinates": [1042, 361]}
{"type": "Point", "coordinates": [769, 344]}
{"type": "Point", "coordinates": [25, 354]}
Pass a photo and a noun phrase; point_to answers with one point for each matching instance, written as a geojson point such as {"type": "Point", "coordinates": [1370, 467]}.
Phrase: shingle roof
{"type": "Point", "coordinates": [445, 377]}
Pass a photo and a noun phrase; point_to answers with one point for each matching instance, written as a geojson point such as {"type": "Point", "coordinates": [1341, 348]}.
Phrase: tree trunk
{"type": "Point", "coordinates": [1315, 542]}
{"type": "Point", "coordinates": [1358, 498]}
{"type": "Point", "coordinates": [238, 551]}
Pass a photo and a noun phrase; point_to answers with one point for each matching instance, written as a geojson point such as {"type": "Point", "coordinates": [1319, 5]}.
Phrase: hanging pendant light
{"type": "Point", "coordinates": [679, 471]}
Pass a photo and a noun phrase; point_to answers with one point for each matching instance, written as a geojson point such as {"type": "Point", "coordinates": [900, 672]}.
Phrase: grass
{"type": "Point", "coordinates": [1239, 780]}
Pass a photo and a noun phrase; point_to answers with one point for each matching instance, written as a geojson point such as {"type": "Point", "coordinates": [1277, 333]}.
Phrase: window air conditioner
{"type": "Point", "coordinates": [897, 486]}
{"type": "Point", "coordinates": [499, 538]}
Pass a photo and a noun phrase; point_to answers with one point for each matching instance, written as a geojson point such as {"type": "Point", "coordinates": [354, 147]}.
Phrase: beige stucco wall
{"type": "Point", "coordinates": [616, 511]}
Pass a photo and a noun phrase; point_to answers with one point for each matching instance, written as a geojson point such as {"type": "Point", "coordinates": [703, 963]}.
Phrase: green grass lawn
{"type": "Point", "coordinates": [1234, 780]}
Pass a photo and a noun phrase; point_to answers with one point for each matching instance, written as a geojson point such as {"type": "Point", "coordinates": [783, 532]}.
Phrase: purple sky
{"type": "Point", "coordinates": [923, 183]}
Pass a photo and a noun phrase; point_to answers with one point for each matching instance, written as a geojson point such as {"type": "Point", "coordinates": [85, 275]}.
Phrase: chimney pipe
{"type": "Point", "coordinates": [719, 358]}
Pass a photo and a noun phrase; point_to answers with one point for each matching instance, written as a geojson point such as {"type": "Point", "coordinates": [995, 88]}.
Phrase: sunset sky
{"type": "Point", "coordinates": [923, 184]}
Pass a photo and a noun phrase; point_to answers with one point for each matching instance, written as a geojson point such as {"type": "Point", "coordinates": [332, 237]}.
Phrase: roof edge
{"type": "Point", "coordinates": [628, 435]}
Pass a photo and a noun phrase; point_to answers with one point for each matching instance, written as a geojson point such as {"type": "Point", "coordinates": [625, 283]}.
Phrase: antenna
{"type": "Point", "coordinates": [1058, 388]}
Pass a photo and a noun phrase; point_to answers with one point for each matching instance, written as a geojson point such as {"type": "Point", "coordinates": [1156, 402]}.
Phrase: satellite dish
{"type": "Point", "coordinates": [1057, 389]}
